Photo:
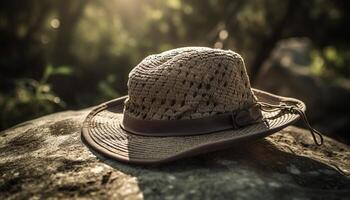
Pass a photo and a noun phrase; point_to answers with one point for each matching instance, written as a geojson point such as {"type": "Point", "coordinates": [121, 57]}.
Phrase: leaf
{"type": "Point", "coordinates": [63, 70]}
{"type": "Point", "coordinates": [47, 73]}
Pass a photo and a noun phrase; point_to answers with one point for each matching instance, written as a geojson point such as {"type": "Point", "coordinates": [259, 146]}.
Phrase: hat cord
{"type": "Point", "coordinates": [295, 110]}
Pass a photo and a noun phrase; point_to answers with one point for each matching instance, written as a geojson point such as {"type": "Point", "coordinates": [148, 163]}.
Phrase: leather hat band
{"type": "Point", "coordinates": [220, 122]}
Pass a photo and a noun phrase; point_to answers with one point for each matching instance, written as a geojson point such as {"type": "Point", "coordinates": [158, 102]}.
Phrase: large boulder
{"type": "Point", "coordinates": [287, 73]}
{"type": "Point", "coordinates": [46, 158]}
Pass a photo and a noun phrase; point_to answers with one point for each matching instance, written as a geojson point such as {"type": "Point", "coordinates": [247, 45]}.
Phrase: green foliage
{"type": "Point", "coordinates": [51, 71]}
{"type": "Point", "coordinates": [330, 62]}
{"type": "Point", "coordinates": [106, 87]}
{"type": "Point", "coordinates": [31, 98]}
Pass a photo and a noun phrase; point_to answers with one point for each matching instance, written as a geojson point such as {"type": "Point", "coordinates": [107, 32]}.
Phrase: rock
{"type": "Point", "coordinates": [45, 158]}
{"type": "Point", "coordinates": [287, 73]}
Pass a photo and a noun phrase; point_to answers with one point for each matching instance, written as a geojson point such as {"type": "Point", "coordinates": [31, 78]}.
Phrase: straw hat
{"type": "Point", "coordinates": [183, 102]}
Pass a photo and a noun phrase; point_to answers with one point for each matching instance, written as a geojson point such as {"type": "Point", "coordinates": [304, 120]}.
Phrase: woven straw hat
{"type": "Point", "coordinates": [183, 102]}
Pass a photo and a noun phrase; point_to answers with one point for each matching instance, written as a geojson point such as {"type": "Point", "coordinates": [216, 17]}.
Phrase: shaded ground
{"type": "Point", "coordinates": [45, 158]}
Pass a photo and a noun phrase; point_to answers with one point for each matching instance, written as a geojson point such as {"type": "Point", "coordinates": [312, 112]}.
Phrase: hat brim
{"type": "Point", "coordinates": [102, 132]}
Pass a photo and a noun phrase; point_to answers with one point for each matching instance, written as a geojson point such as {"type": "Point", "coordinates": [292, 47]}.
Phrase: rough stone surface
{"type": "Point", "coordinates": [45, 158]}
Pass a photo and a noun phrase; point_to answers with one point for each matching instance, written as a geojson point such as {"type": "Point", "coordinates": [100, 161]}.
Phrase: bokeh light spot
{"type": "Point", "coordinates": [223, 34]}
{"type": "Point", "coordinates": [55, 23]}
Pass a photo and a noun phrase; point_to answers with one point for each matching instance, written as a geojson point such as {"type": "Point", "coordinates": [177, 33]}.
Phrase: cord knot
{"type": "Point", "coordinates": [283, 107]}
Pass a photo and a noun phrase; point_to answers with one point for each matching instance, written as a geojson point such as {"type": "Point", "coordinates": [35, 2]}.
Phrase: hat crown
{"type": "Point", "coordinates": [188, 83]}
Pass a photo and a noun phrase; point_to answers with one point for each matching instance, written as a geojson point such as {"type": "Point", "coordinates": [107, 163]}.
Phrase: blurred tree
{"type": "Point", "coordinates": [103, 39]}
{"type": "Point", "coordinates": [68, 16]}
{"type": "Point", "coordinates": [21, 54]}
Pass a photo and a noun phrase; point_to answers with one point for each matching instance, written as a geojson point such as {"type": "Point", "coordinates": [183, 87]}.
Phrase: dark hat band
{"type": "Point", "coordinates": [183, 127]}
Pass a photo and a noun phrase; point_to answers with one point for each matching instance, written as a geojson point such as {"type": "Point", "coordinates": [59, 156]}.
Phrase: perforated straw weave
{"type": "Point", "coordinates": [188, 83]}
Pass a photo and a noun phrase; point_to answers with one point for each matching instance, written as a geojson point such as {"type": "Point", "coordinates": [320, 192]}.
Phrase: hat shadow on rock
{"type": "Point", "coordinates": [253, 168]}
